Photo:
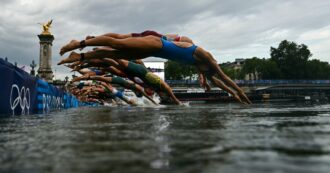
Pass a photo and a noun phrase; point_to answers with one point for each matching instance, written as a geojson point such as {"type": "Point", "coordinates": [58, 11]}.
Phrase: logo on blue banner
{"type": "Point", "coordinates": [20, 97]}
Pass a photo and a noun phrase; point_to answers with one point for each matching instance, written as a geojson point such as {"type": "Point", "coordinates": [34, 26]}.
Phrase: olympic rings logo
{"type": "Point", "coordinates": [49, 102]}
{"type": "Point", "coordinates": [23, 98]}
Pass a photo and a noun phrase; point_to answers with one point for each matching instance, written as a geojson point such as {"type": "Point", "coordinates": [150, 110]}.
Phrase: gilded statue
{"type": "Point", "coordinates": [46, 27]}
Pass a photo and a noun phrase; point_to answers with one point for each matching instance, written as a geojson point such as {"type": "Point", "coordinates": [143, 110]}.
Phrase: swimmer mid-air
{"type": "Point", "coordinates": [158, 46]}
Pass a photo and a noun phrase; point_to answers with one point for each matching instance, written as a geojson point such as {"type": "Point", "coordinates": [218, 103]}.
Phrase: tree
{"type": "Point", "coordinates": [269, 70]}
{"type": "Point", "coordinates": [263, 68]}
{"type": "Point", "coordinates": [177, 71]}
{"type": "Point", "coordinates": [231, 72]}
{"type": "Point", "coordinates": [291, 59]}
{"type": "Point", "coordinates": [317, 69]}
{"type": "Point", "coordinates": [251, 66]}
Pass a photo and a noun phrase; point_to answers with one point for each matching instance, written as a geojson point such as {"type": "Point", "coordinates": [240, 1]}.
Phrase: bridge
{"type": "Point", "coordinates": [192, 83]}
{"type": "Point", "coordinates": [261, 89]}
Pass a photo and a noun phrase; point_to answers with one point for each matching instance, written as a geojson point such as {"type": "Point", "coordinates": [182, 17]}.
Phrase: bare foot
{"type": "Point", "coordinates": [74, 44]}
{"type": "Point", "coordinates": [73, 57]}
{"type": "Point", "coordinates": [84, 77]}
{"type": "Point", "coordinates": [75, 79]}
{"type": "Point", "coordinates": [76, 68]}
{"type": "Point", "coordinates": [69, 66]}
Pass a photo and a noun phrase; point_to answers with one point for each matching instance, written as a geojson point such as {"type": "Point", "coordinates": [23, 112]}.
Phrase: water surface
{"type": "Point", "coordinates": [264, 137]}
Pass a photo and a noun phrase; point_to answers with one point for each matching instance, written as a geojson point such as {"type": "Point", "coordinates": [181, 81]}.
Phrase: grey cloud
{"type": "Point", "coordinates": [139, 15]}
{"type": "Point", "coordinates": [228, 28]}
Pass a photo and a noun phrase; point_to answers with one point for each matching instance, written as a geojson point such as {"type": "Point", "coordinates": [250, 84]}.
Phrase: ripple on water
{"type": "Point", "coordinates": [263, 137]}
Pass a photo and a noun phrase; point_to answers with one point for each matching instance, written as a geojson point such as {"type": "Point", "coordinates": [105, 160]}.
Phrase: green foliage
{"type": "Point", "coordinates": [231, 72]}
{"type": "Point", "coordinates": [269, 69]}
{"type": "Point", "coordinates": [264, 68]}
{"type": "Point", "coordinates": [288, 61]}
{"type": "Point", "coordinates": [317, 70]}
{"type": "Point", "coordinates": [251, 66]}
{"type": "Point", "coordinates": [177, 71]}
{"type": "Point", "coordinates": [291, 59]}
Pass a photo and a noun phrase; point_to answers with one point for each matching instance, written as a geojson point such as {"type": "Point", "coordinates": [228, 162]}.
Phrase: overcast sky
{"type": "Point", "coordinates": [229, 29]}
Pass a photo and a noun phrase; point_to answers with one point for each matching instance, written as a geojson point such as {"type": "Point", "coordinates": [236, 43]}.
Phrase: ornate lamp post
{"type": "Point", "coordinates": [33, 65]}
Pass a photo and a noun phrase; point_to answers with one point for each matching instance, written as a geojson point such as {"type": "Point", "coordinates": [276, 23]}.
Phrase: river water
{"type": "Point", "coordinates": [210, 138]}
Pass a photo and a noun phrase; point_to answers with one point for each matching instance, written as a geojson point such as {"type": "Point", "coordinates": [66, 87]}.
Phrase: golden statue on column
{"type": "Point", "coordinates": [46, 27]}
{"type": "Point", "coordinates": [45, 54]}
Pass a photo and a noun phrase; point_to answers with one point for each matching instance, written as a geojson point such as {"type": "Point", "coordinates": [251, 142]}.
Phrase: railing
{"type": "Point", "coordinates": [277, 82]}
{"type": "Point", "coordinates": [252, 82]}
{"type": "Point", "coordinates": [182, 82]}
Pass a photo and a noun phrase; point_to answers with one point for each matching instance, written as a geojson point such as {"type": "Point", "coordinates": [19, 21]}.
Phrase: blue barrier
{"type": "Point", "coordinates": [21, 93]}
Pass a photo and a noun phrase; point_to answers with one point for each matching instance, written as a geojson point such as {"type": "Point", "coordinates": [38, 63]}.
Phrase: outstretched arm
{"type": "Point", "coordinates": [168, 90]}
{"type": "Point", "coordinates": [117, 94]}
{"type": "Point", "coordinates": [141, 90]}
{"type": "Point", "coordinates": [202, 80]}
{"type": "Point", "coordinates": [207, 59]}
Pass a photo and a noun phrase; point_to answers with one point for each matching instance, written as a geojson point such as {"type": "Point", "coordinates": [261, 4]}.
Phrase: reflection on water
{"type": "Point", "coordinates": [281, 137]}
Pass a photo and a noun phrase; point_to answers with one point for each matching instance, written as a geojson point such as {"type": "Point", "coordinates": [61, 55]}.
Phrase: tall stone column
{"type": "Point", "coordinates": [45, 63]}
